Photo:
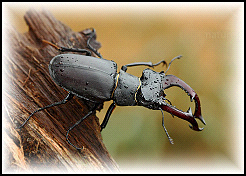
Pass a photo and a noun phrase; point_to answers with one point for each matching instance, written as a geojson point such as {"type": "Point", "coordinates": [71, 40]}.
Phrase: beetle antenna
{"type": "Point", "coordinates": [169, 138]}
{"type": "Point", "coordinates": [178, 57]}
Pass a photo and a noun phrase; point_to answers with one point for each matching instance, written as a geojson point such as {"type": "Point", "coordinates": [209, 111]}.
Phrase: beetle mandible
{"type": "Point", "coordinates": [96, 80]}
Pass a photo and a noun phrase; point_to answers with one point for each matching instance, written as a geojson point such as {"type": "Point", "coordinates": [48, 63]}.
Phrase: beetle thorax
{"type": "Point", "coordinates": [126, 90]}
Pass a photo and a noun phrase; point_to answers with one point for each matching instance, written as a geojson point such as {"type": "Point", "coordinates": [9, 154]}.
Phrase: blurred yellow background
{"type": "Point", "coordinates": [209, 36]}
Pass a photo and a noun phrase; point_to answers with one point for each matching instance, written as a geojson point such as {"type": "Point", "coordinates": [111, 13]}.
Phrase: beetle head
{"type": "Point", "coordinates": [152, 96]}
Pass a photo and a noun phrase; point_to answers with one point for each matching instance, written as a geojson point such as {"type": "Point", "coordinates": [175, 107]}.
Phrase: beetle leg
{"type": "Point", "coordinates": [178, 57]}
{"type": "Point", "coordinates": [169, 138]}
{"type": "Point", "coordinates": [68, 97]}
{"type": "Point", "coordinates": [150, 64]}
{"type": "Point", "coordinates": [64, 49]}
{"type": "Point", "coordinates": [78, 122]}
{"type": "Point", "coordinates": [107, 116]}
{"type": "Point", "coordinates": [93, 34]}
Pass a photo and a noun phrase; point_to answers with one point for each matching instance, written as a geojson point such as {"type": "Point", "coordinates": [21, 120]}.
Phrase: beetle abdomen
{"type": "Point", "coordinates": [87, 77]}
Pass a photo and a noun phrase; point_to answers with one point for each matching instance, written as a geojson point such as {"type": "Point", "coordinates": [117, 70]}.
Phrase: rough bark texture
{"type": "Point", "coordinates": [41, 144]}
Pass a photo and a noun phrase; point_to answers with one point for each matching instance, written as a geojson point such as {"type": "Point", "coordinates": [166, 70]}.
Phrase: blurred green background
{"type": "Point", "coordinates": [209, 36]}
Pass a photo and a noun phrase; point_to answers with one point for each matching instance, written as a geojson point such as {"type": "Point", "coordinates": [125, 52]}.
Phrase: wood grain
{"type": "Point", "coordinates": [41, 143]}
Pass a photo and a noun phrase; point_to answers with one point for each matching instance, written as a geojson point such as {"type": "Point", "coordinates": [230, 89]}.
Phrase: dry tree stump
{"type": "Point", "coordinates": [41, 144]}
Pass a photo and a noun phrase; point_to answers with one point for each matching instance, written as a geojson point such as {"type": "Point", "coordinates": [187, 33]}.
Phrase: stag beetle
{"type": "Point", "coordinates": [97, 81]}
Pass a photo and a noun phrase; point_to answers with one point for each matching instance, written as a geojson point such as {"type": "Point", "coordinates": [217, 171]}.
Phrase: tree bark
{"type": "Point", "coordinates": [41, 144]}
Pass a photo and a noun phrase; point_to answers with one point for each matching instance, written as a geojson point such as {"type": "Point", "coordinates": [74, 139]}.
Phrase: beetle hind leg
{"type": "Point", "coordinates": [93, 34]}
{"type": "Point", "coordinates": [64, 49]}
{"type": "Point", "coordinates": [77, 123]}
{"type": "Point", "coordinates": [68, 97]}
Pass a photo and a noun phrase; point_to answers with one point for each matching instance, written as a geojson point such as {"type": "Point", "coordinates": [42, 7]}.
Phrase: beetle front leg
{"type": "Point", "coordinates": [169, 138]}
{"type": "Point", "coordinates": [150, 64]}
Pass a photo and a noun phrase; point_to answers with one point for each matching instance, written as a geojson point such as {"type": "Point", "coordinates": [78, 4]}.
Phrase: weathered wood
{"type": "Point", "coordinates": [41, 143]}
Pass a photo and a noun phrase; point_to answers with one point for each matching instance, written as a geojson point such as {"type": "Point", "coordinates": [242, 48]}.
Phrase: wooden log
{"type": "Point", "coordinates": [41, 144]}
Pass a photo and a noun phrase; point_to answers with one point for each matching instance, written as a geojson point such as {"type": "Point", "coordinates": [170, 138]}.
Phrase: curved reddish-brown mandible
{"type": "Point", "coordinates": [169, 81]}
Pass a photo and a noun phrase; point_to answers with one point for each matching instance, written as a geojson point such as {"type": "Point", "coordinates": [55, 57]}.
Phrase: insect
{"type": "Point", "coordinates": [96, 80]}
